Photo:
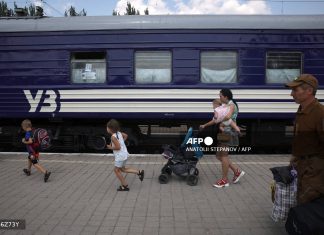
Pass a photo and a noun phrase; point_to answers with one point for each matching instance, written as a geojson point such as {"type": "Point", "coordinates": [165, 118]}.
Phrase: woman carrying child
{"type": "Point", "coordinates": [226, 97]}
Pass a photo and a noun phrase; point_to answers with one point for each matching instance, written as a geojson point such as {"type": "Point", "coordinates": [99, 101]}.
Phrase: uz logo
{"type": "Point", "coordinates": [46, 100]}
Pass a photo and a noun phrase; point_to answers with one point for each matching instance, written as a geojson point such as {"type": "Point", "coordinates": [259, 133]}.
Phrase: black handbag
{"type": "Point", "coordinates": [306, 219]}
{"type": "Point", "coordinates": [282, 174]}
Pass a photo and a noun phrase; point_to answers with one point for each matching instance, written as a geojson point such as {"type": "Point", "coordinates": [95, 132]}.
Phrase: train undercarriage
{"type": "Point", "coordinates": [271, 136]}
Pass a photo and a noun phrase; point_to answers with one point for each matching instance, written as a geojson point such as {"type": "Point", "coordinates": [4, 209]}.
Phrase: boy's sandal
{"type": "Point", "coordinates": [27, 172]}
{"type": "Point", "coordinates": [46, 176]}
{"type": "Point", "coordinates": [123, 188]}
{"type": "Point", "coordinates": [141, 175]}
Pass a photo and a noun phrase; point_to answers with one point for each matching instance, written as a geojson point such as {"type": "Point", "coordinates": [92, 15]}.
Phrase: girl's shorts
{"type": "Point", "coordinates": [33, 159]}
{"type": "Point", "coordinates": [120, 164]}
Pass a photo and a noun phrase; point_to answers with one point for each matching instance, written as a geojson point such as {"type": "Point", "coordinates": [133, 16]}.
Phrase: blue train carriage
{"type": "Point", "coordinates": [72, 74]}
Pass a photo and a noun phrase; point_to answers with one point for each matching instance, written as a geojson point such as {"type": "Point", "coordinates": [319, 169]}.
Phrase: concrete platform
{"type": "Point", "coordinates": [81, 198]}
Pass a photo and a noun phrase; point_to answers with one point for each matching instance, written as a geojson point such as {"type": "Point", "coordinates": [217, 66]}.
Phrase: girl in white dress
{"type": "Point", "coordinates": [121, 154]}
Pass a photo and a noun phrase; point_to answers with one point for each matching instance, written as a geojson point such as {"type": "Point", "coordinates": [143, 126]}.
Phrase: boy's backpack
{"type": "Point", "coordinates": [42, 138]}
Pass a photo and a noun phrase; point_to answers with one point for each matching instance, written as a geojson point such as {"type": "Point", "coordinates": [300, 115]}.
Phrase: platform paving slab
{"type": "Point", "coordinates": [81, 198]}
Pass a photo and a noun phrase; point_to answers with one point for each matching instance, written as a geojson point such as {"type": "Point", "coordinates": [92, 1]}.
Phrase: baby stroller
{"type": "Point", "coordinates": [181, 162]}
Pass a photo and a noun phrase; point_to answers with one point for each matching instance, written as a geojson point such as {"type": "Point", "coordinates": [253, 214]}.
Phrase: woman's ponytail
{"type": "Point", "coordinates": [228, 93]}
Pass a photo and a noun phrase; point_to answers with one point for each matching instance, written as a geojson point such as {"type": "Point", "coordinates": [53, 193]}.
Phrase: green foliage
{"type": "Point", "coordinates": [39, 11]}
{"type": "Point", "coordinates": [130, 10]}
{"type": "Point", "coordinates": [31, 10]}
{"type": "Point", "coordinates": [146, 11]}
{"type": "Point", "coordinates": [72, 12]}
{"type": "Point", "coordinates": [4, 11]}
{"type": "Point", "coordinates": [83, 12]}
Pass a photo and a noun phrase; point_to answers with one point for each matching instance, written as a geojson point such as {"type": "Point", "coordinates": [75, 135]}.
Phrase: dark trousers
{"type": "Point", "coordinates": [310, 173]}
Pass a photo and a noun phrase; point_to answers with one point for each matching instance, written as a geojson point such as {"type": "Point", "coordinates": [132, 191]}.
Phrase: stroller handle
{"type": "Point", "coordinates": [190, 134]}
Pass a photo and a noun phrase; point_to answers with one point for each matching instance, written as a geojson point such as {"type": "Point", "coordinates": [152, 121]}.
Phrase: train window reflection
{"type": "Point", "coordinates": [153, 67]}
{"type": "Point", "coordinates": [218, 67]}
{"type": "Point", "coordinates": [88, 67]}
{"type": "Point", "coordinates": [283, 67]}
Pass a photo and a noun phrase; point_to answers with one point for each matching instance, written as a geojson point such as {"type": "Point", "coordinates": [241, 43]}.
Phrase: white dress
{"type": "Point", "coordinates": [122, 153]}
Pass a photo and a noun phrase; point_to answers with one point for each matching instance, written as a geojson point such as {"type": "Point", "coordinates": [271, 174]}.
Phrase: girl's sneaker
{"type": "Point", "coordinates": [221, 183]}
{"type": "Point", "coordinates": [237, 176]}
{"type": "Point", "coordinates": [141, 175]}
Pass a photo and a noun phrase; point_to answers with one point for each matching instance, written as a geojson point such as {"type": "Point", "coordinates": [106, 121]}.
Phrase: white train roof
{"type": "Point", "coordinates": [162, 22]}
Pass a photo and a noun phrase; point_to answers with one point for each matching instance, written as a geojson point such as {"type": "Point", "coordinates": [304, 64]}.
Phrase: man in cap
{"type": "Point", "coordinates": [308, 142]}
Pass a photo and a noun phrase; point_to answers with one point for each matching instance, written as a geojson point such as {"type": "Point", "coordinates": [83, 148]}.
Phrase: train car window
{"type": "Point", "coordinates": [283, 67]}
{"type": "Point", "coordinates": [88, 67]}
{"type": "Point", "coordinates": [153, 67]}
{"type": "Point", "coordinates": [218, 67]}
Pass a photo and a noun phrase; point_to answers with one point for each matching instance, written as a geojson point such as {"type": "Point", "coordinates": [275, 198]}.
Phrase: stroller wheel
{"type": "Point", "coordinates": [166, 170]}
{"type": "Point", "coordinates": [163, 179]}
{"type": "Point", "coordinates": [196, 172]}
{"type": "Point", "coordinates": [192, 180]}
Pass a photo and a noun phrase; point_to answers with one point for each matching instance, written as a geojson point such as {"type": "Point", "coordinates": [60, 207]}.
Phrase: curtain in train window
{"type": "Point", "coordinates": [88, 67]}
{"type": "Point", "coordinates": [283, 67]}
{"type": "Point", "coordinates": [218, 67]}
{"type": "Point", "coordinates": [153, 67]}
